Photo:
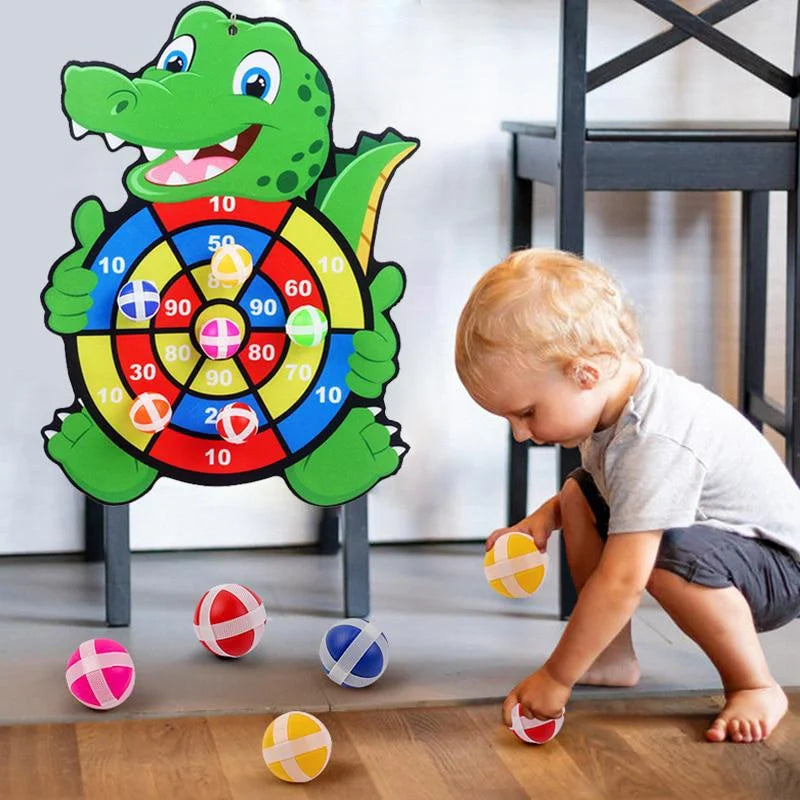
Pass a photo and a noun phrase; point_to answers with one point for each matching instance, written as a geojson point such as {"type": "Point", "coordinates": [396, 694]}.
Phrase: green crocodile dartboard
{"type": "Point", "coordinates": [229, 323]}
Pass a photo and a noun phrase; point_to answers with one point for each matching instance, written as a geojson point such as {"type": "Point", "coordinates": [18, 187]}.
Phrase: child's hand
{"type": "Point", "coordinates": [538, 526]}
{"type": "Point", "coordinates": [539, 695]}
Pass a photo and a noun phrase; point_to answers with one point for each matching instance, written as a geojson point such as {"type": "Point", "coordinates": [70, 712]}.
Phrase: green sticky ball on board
{"type": "Point", "coordinates": [307, 326]}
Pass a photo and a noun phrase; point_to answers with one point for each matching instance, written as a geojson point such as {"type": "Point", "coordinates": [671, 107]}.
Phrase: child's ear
{"type": "Point", "coordinates": [584, 373]}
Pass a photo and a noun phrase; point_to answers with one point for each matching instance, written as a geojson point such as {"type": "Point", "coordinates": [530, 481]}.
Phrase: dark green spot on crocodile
{"type": "Point", "coordinates": [316, 146]}
{"type": "Point", "coordinates": [313, 170]}
{"type": "Point", "coordinates": [264, 180]}
{"type": "Point", "coordinates": [320, 111]}
{"type": "Point", "coordinates": [287, 181]}
{"type": "Point", "coordinates": [322, 84]}
{"type": "Point", "coordinates": [298, 156]}
{"type": "Point", "coordinates": [304, 93]}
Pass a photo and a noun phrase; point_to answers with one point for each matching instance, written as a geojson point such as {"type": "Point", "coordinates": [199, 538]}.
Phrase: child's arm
{"type": "Point", "coordinates": [606, 602]}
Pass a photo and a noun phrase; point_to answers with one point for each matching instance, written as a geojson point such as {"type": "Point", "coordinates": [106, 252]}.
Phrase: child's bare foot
{"type": "Point", "coordinates": [749, 715]}
{"type": "Point", "coordinates": [617, 665]}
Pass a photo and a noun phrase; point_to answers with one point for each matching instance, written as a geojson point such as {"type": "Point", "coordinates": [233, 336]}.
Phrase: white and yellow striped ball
{"type": "Point", "coordinates": [231, 264]}
{"type": "Point", "coordinates": [296, 747]}
{"type": "Point", "coordinates": [514, 566]}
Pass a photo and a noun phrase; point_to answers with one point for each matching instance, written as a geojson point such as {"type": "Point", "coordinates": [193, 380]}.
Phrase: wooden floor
{"type": "Point", "coordinates": [622, 749]}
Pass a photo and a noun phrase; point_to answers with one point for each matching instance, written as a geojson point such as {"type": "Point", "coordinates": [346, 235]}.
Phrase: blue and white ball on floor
{"type": "Point", "coordinates": [139, 300]}
{"type": "Point", "coordinates": [354, 653]}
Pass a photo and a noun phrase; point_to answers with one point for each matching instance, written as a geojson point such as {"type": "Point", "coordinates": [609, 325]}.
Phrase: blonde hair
{"type": "Point", "coordinates": [544, 306]}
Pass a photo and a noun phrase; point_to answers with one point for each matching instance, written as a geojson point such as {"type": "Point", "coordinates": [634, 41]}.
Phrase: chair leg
{"type": "Point", "coordinates": [355, 538]}
{"type": "Point", "coordinates": [517, 501]}
{"type": "Point", "coordinates": [753, 301]}
{"type": "Point", "coordinates": [93, 529]}
{"type": "Point", "coordinates": [328, 531]}
{"type": "Point", "coordinates": [568, 460]}
{"type": "Point", "coordinates": [107, 533]}
{"type": "Point", "coordinates": [793, 336]}
{"type": "Point", "coordinates": [521, 236]}
{"type": "Point", "coordinates": [117, 548]}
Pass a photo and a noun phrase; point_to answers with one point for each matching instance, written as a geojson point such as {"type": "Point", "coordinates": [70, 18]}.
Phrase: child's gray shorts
{"type": "Point", "coordinates": [764, 572]}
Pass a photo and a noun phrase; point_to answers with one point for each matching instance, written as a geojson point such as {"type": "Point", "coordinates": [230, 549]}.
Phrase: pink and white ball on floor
{"type": "Point", "coordinates": [229, 620]}
{"type": "Point", "coordinates": [534, 731]}
{"type": "Point", "coordinates": [100, 674]}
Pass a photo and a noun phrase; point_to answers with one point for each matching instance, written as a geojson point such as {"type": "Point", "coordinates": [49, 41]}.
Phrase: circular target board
{"type": "Point", "coordinates": [297, 391]}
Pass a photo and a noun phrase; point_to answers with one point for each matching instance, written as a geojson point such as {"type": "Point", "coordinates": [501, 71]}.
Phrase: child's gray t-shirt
{"type": "Point", "coordinates": [680, 455]}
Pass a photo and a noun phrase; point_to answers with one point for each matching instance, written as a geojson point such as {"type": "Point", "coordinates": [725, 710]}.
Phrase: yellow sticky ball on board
{"type": "Point", "coordinates": [296, 747]}
{"type": "Point", "coordinates": [514, 566]}
{"type": "Point", "coordinates": [231, 264]}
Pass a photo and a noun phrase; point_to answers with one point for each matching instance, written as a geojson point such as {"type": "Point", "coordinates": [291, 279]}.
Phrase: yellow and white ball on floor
{"type": "Point", "coordinates": [514, 566]}
{"type": "Point", "coordinates": [296, 747]}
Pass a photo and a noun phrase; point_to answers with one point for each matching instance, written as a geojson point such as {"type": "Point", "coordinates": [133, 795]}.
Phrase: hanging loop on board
{"type": "Point", "coordinates": [232, 29]}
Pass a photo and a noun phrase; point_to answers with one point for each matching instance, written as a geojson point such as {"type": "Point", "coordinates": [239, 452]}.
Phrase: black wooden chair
{"type": "Point", "coordinates": [575, 156]}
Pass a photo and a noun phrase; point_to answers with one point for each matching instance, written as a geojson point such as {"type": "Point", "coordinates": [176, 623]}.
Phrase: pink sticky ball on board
{"type": "Point", "coordinates": [100, 674]}
{"type": "Point", "coordinates": [229, 620]}
{"type": "Point", "coordinates": [534, 731]}
{"type": "Point", "coordinates": [220, 338]}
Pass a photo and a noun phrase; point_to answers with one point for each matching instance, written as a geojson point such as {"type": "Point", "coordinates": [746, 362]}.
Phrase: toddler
{"type": "Point", "coordinates": [677, 494]}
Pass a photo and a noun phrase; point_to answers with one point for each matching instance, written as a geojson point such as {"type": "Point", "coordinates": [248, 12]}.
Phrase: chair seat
{"type": "Point", "coordinates": [667, 156]}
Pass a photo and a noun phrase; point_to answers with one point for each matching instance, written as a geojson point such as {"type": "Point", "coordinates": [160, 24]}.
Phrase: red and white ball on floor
{"type": "Point", "coordinates": [534, 731]}
{"type": "Point", "coordinates": [514, 566]}
{"type": "Point", "coordinates": [229, 620]}
{"type": "Point", "coordinates": [100, 674]}
{"type": "Point", "coordinates": [296, 747]}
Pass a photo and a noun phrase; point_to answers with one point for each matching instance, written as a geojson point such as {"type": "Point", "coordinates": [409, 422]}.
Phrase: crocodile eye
{"type": "Point", "coordinates": [177, 55]}
{"type": "Point", "coordinates": [258, 75]}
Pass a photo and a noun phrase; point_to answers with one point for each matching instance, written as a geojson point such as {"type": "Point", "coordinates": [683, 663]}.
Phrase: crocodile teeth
{"type": "Point", "coordinates": [176, 179]}
{"type": "Point", "coordinates": [230, 144]}
{"type": "Point", "coordinates": [213, 171]}
{"type": "Point", "coordinates": [114, 142]}
{"type": "Point", "coordinates": [187, 155]}
{"type": "Point", "coordinates": [151, 153]}
{"type": "Point", "coordinates": [77, 130]}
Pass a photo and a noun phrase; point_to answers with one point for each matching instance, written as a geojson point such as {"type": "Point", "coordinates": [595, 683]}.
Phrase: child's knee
{"type": "Point", "coordinates": [664, 580]}
{"type": "Point", "coordinates": [573, 503]}
{"type": "Point", "coordinates": [582, 504]}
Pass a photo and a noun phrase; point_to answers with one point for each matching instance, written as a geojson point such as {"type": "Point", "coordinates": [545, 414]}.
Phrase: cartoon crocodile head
{"type": "Point", "coordinates": [226, 108]}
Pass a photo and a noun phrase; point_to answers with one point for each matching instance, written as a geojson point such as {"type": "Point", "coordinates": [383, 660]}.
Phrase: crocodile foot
{"type": "Point", "coordinates": [93, 462]}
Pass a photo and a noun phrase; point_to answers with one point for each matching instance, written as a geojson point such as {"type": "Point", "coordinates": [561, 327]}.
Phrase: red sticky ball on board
{"type": "Point", "coordinates": [229, 620]}
{"type": "Point", "coordinates": [534, 731]}
{"type": "Point", "coordinates": [237, 422]}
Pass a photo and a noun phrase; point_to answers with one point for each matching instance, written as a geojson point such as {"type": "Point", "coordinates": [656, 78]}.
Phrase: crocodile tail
{"type": "Point", "coordinates": [352, 198]}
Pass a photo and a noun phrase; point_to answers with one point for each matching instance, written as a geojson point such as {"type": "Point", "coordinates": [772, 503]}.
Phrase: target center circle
{"type": "Point", "coordinates": [219, 329]}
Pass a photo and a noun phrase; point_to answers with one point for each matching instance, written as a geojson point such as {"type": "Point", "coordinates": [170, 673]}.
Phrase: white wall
{"type": "Point", "coordinates": [447, 71]}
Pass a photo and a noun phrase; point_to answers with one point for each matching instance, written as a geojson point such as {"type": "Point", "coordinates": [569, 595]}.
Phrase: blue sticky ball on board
{"type": "Point", "coordinates": [354, 653]}
{"type": "Point", "coordinates": [139, 300]}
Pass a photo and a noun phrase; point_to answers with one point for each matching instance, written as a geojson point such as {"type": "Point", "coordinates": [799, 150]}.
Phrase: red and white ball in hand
{"type": "Point", "coordinates": [534, 731]}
